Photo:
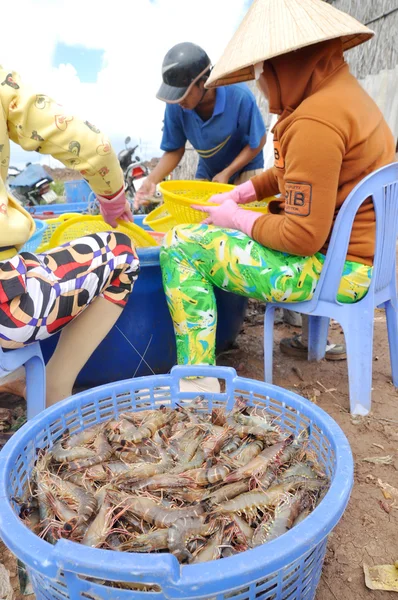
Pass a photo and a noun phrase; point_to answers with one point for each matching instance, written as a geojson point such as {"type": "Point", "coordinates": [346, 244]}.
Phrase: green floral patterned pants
{"type": "Point", "coordinates": [197, 257]}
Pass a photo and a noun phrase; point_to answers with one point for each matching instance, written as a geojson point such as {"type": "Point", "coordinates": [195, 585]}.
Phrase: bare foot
{"type": "Point", "coordinates": [16, 388]}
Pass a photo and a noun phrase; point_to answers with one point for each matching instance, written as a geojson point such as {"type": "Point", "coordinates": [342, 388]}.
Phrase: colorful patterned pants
{"type": "Point", "coordinates": [61, 283]}
{"type": "Point", "coordinates": [197, 257]}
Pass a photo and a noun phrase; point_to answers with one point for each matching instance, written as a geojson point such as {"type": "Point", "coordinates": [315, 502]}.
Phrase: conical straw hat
{"type": "Point", "coordinates": [274, 27]}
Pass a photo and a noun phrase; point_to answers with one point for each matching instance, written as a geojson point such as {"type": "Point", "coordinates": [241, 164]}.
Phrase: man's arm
{"type": "Point", "coordinates": [166, 165]}
{"type": "Point", "coordinates": [243, 159]}
{"type": "Point", "coordinates": [173, 145]}
{"type": "Point", "coordinates": [253, 131]}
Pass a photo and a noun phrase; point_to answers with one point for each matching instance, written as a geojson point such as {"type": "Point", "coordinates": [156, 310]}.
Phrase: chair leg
{"type": "Point", "coordinates": [358, 331]}
{"type": "Point", "coordinates": [35, 386]}
{"type": "Point", "coordinates": [318, 328]}
{"type": "Point", "coordinates": [268, 341]}
{"type": "Point", "coordinates": [392, 328]}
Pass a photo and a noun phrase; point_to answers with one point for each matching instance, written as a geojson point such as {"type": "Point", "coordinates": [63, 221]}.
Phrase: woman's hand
{"type": "Point", "coordinates": [222, 216]}
{"type": "Point", "coordinates": [229, 216]}
{"type": "Point", "coordinates": [241, 194]}
{"type": "Point", "coordinates": [115, 208]}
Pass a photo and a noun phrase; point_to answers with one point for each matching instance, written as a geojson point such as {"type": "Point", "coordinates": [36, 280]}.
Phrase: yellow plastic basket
{"type": "Point", "coordinates": [52, 225]}
{"type": "Point", "coordinates": [180, 195]}
{"type": "Point", "coordinates": [160, 219]}
{"type": "Point", "coordinates": [83, 225]}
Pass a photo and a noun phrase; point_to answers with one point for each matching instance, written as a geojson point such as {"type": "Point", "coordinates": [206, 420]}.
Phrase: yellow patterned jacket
{"type": "Point", "coordinates": [36, 122]}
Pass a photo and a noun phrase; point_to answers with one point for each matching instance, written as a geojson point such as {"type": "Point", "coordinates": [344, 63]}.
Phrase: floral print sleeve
{"type": "Point", "coordinates": [36, 122]}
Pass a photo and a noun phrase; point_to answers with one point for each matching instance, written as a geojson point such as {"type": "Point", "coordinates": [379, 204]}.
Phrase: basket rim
{"type": "Point", "coordinates": [269, 558]}
{"type": "Point", "coordinates": [41, 226]}
{"type": "Point", "coordinates": [155, 216]}
{"type": "Point", "coordinates": [54, 241]}
{"type": "Point", "coordinates": [163, 186]}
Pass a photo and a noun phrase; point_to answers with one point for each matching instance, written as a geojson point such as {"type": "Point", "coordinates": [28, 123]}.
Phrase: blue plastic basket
{"type": "Point", "coordinates": [50, 210]}
{"type": "Point", "coordinates": [287, 568]}
{"type": "Point", "coordinates": [77, 191]}
{"type": "Point", "coordinates": [35, 240]}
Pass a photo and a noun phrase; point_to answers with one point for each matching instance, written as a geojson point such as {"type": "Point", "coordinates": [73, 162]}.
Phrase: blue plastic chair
{"type": "Point", "coordinates": [31, 358]}
{"type": "Point", "coordinates": [356, 319]}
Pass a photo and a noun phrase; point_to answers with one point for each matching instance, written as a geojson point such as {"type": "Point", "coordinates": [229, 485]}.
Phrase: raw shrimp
{"type": "Point", "coordinates": [103, 452]}
{"type": "Point", "coordinates": [249, 502]}
{"type": "Point", "coordinates": [226, 492]}
{"type": "Point", "coordinates": [183, 445]}
{"type": "Point", "coordinates": [299, 470]}
{"type": "Point", "coordinates": [258, 465]}
{"type": "Point", "coordinates": [151, 424]}
{"type": "Point", "coordinates": [102, 471]}
{"type": "Point", "coordinates": [84, 502]}
{"type": "Point", "coordinates": [99, 529]}
{"type": "Point", "coordinates": [285, 514]}
{"type": "Point", "coordinates": [147, 542]}
{"type": "Point", "coordinates": [195, 463]}
{"type": "Point", "coordinates": [212, 548]}
{"type": "Point", "coordinates": [162, 481]}
{"type": "Point", "coordinates": [200, 485]}
{"type": "Point", "coordinates": [151, 512]}
{"type": "Point", "coordinates": [214, 442]}
{"type": "Point", "coordinates": [244, 527]}
{"type": "Point", "coordinates": [61, 454]}
{"type": "Point", "coordinates": [184, 530]}
{"type": "Point", "coordinates": [204, 476]}
{"type": "Point", "coordinates": [296, 447]}
{"type": "Point", "coordinates": [120, 431]}
{"type": "Point", "coordinates": [84, 437]}
{"type": "Point", "coordinates": [232, 445]}
{"type": "Point", "coordinates": [266, 480]}
{"type": "Point", "coordinates": [248, 451]}
{"type": "Point", "coordinates": [219, 416]}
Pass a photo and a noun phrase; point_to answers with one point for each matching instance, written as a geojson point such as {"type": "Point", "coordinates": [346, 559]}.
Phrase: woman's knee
{"type": "Point", "coordinates": [119, 244]}
{"type": "Point", "coordinates": [179, 234]}
{"type": "Point", "coordinates": [122, 239]}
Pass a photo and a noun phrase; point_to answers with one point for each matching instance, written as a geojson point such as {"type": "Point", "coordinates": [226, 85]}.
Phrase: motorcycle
{"type": "Point", "coordinates": [12, 173]}
{"type": "Point", "coordinates": [134, 171]}
{"type": "Point", "coordinates": [135, 174]}
{"type": "Point", "coordinates": [32, 186]}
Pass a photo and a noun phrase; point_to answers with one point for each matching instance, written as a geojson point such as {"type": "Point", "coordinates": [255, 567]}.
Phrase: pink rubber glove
{"type": "Point", "coordinates": [228, 215]}
{"type": "Point", "coordinates": [242, 194]}
{"type": "Point", "coordinates": [115, 208]}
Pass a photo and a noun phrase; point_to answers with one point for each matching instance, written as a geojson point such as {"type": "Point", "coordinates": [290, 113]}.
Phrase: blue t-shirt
{"type": "Point", "coordinates": [236, 122]}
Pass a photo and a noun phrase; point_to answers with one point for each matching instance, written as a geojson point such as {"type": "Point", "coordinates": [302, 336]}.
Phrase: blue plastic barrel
{"type": "Point", "coordinates": [77, 191]}
{"type": "Point", "coordinates": [139, 220]}
{"type": "Point", "coordinates": [142, 341]}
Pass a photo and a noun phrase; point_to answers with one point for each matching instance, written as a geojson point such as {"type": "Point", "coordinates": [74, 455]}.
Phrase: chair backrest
{"type": "Point", "coordinates": [382, 187]}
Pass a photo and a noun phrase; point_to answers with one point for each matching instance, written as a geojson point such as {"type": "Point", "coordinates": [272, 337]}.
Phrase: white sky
{"type": "Point", "coordinates": [134, 35]}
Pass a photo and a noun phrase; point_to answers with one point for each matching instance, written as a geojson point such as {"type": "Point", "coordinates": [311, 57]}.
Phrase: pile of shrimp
{"type": "Point", "coordinates": [201, 486]}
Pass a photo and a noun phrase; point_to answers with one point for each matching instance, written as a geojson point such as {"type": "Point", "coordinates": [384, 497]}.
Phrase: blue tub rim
{"type": "Point", "coordinates": [149, 257]}
{"type": "Point", "coordinates": [136, 567]}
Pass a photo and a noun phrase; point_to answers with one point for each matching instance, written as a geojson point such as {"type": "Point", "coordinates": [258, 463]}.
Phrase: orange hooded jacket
{"type": "Point", "coordinates": [329, 136]}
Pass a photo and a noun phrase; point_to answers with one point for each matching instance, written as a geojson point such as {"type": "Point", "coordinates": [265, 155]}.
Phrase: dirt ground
{"type": "Point", "coordinates": [367, 532]}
